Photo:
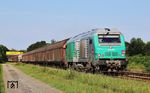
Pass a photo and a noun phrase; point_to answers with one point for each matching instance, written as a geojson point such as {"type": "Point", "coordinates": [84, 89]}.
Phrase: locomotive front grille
{"type": "Point", "coordinates": [107, 53]}
{"type": "Point", "coordinates": [111, 53]}
{"type": "Point", "coordinates": [114, 53]}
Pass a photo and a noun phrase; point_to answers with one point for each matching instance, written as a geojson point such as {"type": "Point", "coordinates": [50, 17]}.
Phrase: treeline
{"type": "Point", "coordinates": [3, 56]}
{"type": "Point", "coordinates": [137, 46]}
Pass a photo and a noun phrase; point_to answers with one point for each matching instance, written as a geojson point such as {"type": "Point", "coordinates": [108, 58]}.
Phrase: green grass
{"type": "Point", "coordinates": [76, 82]}
{"type": "Point", "coordinates": [1, 80]}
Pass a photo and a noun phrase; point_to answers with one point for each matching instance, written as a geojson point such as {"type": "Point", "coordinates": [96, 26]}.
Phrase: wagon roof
{"type": "Point", "coordinates": [59, 44]}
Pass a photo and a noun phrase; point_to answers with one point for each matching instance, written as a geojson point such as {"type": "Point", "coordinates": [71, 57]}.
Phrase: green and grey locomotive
{"type": "Point", "coordinates": [103, 49]}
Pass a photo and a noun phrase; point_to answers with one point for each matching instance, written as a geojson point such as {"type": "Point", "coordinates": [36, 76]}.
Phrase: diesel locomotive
{"type": "Point", "coordinates": [100, 49]}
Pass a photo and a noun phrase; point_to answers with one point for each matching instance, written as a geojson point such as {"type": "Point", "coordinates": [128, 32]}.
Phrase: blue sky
{"type": "Point", "coordinates": [23, 22]}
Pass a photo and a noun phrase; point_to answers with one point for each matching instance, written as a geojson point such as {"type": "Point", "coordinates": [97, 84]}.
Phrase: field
{"type": "Point", "coordinates": [71, 81]}
{"type": "Point", "coordinates": [1, 80]}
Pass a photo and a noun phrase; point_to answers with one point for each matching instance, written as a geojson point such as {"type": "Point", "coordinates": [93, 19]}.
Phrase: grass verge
{"type": "Point", "coordinates": [76, 82]}
{"type": "Point", "coordinates": [1, 80]}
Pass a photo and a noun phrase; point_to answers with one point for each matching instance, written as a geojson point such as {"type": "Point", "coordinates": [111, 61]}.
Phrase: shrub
{"type": "Point", "coordinates": [138, 61]}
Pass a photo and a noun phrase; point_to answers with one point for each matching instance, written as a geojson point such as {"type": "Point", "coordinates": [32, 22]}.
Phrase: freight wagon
{"type": "Point", "coordinates": [50, 54]}
{"type": "Point", "coordinates": [99, 49]}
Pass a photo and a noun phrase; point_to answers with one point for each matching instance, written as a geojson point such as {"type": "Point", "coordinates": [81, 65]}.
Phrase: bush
{"type": "Point", "coordinates": [140, 60]}
{"type": "Point", "coordinates": [147, 65]}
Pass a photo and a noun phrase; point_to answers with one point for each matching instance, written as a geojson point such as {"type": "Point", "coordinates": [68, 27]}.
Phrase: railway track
{"type": "Point", "coordinates": [132, 75]}
{"type": "Point", "coordinates": [137, 75]}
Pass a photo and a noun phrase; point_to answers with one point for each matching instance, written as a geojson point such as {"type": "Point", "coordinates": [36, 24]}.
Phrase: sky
{"type": "Point", "coordinates": [23, 22]}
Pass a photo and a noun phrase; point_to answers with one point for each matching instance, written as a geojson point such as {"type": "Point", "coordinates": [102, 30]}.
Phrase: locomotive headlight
{"type": "Point", "coordinates": [99, 55]}
{"type": "Point", "coordinates": [123, 52]}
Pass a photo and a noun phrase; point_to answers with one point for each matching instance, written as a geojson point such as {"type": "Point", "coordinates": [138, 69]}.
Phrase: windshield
{"type": "Point", "coordinates": [109, 38]}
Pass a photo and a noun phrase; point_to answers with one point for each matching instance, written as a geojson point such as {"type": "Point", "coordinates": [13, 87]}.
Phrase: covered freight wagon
{"type": "Point", "coordinates": [51, 54]}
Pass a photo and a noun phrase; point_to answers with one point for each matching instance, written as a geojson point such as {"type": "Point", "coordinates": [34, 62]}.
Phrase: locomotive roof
{"type": "Point", "coordinates": [94, 31]}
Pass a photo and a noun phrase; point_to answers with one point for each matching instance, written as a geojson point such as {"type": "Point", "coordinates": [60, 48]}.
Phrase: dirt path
{"type": "Point", "coordinates": [26, 84]}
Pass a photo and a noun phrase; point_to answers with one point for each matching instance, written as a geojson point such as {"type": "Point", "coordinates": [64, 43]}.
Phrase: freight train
{"type": "Point", "coordinates": [100, 49]}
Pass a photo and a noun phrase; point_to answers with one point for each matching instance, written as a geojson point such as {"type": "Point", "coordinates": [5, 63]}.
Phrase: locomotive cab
{"type": "Point", "coordinates": [110, 50]}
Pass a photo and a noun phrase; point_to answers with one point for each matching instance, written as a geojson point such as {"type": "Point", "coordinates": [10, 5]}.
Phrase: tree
{"type": "Point", "coordinates": [127, 47]}
{"type": "Point", "coordinates": [53, 41]}
{"type": "Point", "coordinates": [36, 45]}
{"type": "Point", "coordinates": [23, 51]}
{"type": "Point", "coordinates": [3, 50]}
{"type": "Point", "coordinates": [147, 49]}
{"type": "Point", "coordinates": [136, 46]}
